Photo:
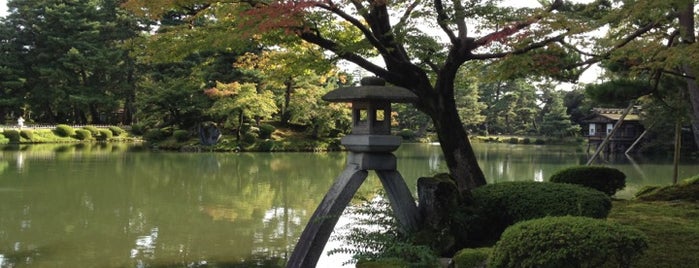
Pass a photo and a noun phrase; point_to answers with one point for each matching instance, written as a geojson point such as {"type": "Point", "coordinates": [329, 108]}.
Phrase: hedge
{"type": "Point", "coordinates": [12, 135]}
{"type": "Point", "coordinates": [471, 257]}
{"type": "Point", "coordinates": [499, 205]}
{"type": "Point", "coordinates": [605, 179]}
{"type": "Point", "coordinates": [568, 241]}
{"type": "Point", "coordinates": [105, 134]}
{"type": "Point", "coordinates": [93, 130]}
{"type": "Point", "coordinates": [83, 134]}
{"type": "Point", "coordinates": [27, 134]}
{"type": "Point", "coordinates": [181, 135]}
{"type": "Point", "coordinates": [65, 130]}
{"type": "Point", "coordinates": [266, 131]}
{"type": "Point", "coordinates": [116, 131]}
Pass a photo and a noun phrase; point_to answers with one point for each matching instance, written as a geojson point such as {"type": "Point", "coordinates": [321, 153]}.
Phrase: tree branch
{"type": "Point", "coordinates": [442, 19]}
{"type": "Point", "coordinates": [358, 24]}
{"type": "Point", "coordinates": [523, 50]}
{"type": "Point", "coordinates": [621, 44]}
{"type": "Point", "coordinates": [510, 30]}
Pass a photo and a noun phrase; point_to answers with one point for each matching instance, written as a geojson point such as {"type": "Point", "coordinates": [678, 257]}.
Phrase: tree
{"type": "Point", "coordinates": [415, 59]}
{"type": "Point", "coordinates": [556, 122]}
{"type": "Point", "coordinates": [70, 59]}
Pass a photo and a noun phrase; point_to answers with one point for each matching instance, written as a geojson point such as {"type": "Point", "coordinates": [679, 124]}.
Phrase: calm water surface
{"type": "Point", "coordinates": [117, 206]}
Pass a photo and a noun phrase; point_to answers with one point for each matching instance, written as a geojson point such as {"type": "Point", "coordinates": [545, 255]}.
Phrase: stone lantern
{"type": "Point", "coordinates": [370, 145]}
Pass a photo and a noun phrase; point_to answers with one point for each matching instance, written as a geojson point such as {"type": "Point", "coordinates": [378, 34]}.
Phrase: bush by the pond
{"type": "Point", "coordinates": [249, 137]}
{"type": "Point", "coordinates": [27, 134]}
{"type": "Point", "coordinates": [12, 135]}
{"type": "Point", "coordinates": [65, 130]}
{"type": "Point", "coordinates": [116, 131]}
{"type": "Point", "coordinates": [539, 142]}
{"type": "Point", "coordinates": [104, 134]}
{"type": "Point", "coordinates": [568, 241]}
{"type": "Point", "coordinates": [266, 146]}
{"type": "Point", "coordinates": [687, 189]}
{"type": "Point", "coordinates": [93, 130]}
{"type": "Point", "coordinates": [407, 134]}
{"type": "Point", "coordinates": [3, 139]}
{"type": "Point", "coordinates": [138, 129]}
{"type": "Point", "coordinates": [471, 257]}
{"type": "Point", "coordinates": [181, 135]}
{"type": "Point", "coordinates": [605, 179]}
{"type": "Point", "coordinates": [266, 131]}
{"type": "Point", "coordinates": [155, 135]}
{"type": "Point", "coordinates": [500, 205]}
{"type": "Point", "coordinates": [83, 134]}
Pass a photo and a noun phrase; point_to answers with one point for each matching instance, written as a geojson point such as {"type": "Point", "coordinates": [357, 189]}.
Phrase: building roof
{"type": "Point", "coordinates": [615, 113]}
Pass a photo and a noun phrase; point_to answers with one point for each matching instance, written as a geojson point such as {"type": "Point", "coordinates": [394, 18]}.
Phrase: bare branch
{"type": "Point", "coordinates": [442, 19]}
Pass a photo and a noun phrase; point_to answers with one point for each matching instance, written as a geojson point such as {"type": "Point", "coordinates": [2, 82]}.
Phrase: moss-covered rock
{"type": "Point", "coordinates": [687, 189]}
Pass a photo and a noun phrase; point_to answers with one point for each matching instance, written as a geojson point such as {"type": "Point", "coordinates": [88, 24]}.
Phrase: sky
{"type": "Point", "coordinates": [3, 8]}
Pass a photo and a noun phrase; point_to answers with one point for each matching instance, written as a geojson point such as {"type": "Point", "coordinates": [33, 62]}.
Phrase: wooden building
{"type": "Point", "coordinates": [602, 122]}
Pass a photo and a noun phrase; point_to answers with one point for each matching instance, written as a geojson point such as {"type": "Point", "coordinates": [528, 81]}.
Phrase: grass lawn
{"type": "Point", "coordinates": [672, 228]}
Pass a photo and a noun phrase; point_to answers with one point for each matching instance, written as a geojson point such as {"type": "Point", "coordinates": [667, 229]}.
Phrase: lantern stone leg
{"type": "Point", "coordinates": [320, 226]}
{"type": "Point", "coordinates": [402, 202]}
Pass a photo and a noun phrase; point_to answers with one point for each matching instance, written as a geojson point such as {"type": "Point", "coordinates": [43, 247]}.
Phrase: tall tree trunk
{"type": "Point", "coordinates": [458, 152]}
{"type": "Point", "coordinates": [285, 116]}
{"type": "Point", "coordinates": [686, 19]}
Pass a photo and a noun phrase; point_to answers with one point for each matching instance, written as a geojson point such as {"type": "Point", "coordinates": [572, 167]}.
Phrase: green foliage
{"type": "Point", "coordinates": [618, 92]}
{"type": "Point", "coordinates": [605, 179]}
{"type": "Point", "coordinates": [266, 146]}
{"type": "Point", "coordinates": [556, 122]}
{"type": "Point", "coordinates": [687, 189]}
{"type": "Point", "coordinates": [181, 135]}
{"type": "Point", "coordinates": [65, 130]}
{"type": "Point", "coordinates": [155, 135]}
{"type": "Point", "coordinates": [568, 242]}
{"type": "Point", "coordinates": [472, 257]}
{"type": "Point", "coordinates": [105, 134]}
{"type": "Point", "coordinates": [138, 129]}
{"type": "Point", "coordinates": [266, 131]}
{"type": "Point", "coordinates": [27, 134]}
{"type": "Point", "coordinates": [83, 134]}
{"type": "Point", "coordinates": [93, 130]}
{"type": "Point", "coordinates": [12, 135]}
{"type": "Point", "coordinates": [407, 134]}
{"type": "Point", "coordinates": [249, 137]}
{"type": "Point", "coordinates": [116, 131]}
{"type": "Point", "coordinates": [3, 139]}
{"type": "Point", "coordinates": [375, 237]}
{"type": "Point", "coordinates": [500, 205]}
{"type": "Point", "coordinates": [513, 140]}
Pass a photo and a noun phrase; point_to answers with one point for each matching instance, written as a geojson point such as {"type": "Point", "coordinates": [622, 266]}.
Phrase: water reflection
{"type": "Point", "coordinates": [104, 205]}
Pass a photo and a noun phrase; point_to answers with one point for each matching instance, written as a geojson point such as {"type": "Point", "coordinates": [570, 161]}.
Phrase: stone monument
{"type": "Point", "coordinates": [370, 147]}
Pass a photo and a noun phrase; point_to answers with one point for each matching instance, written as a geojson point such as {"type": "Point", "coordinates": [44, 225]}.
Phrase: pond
{"type": "Point", "coordinates": [117, 205]}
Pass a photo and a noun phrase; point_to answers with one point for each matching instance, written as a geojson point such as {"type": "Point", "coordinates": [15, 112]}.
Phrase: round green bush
{"type": "Point", "coordinates": [181, 135]}
{"type": "Point", "coordinates": [605, 179]}
{"type": "Point", "coordinates": [568, 241]}
{"type": "Point", "coordinates": [27, 134]}
{"type": "Point", "coordinates": [500, 205]}
{"type": "Point", "coordinates": [154, 135]}
{"type": "Point", "coordinates": [116, 131]}
{"type": "Point", "coordinates": [83, 134]}
{"type": "Point", "coordinates": [93, 130]}
{"type": "Point", "coordinates": [249, 138]}
{"type": "Point", "coordinates": [12, 135]}
{"type": "Point", "coordinates": [105, 134]}
{"type": "Point", "coordinates": [471, 257]}
{"type": "Point", "coordinates": [266, 131]}
{"type": "Point", "coordinates": [65, 130]}
{"type": "Point", "coordinates": [407, 134]}
{"type": "Point", "coordinates": [266, 146]}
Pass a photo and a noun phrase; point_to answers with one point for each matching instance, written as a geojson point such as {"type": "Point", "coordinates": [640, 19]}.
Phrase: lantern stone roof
{"type": "Point", "coordinates": [372, 89]}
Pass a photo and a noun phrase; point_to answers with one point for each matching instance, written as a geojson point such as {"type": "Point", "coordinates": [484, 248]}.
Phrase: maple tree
{"type": "Point", "coordinates": [422, 45]}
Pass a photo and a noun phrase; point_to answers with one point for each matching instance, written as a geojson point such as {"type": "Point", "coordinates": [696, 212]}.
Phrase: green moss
{"type": "Point", "coordinates": [384, 263]}
{"type": "Point", "coordinates": [672, 229]}
{"type": "Point", "coordinates": [64, 130]}
{"type": "Point", "coordinates": [687, 189]}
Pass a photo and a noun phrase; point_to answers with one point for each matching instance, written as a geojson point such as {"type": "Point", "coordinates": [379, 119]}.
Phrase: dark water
{"type": "Point", "coordinates": [116, 206]}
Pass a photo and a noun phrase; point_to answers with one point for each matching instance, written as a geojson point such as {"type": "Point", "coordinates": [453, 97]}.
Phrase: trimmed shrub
{"type": "Point", "coordinates": [105, 134]}
{"type": "Point", "coordinates": [471, 257]}
{"type": "Point", "coordinates": [687, 189]}
{"type": "Point", "coordinates": [266, 131]}
{"type": "Point", "coordinates": [27, 134]}
{"type": "Point", "coordinates": [407, 134]}
{"type": "Point", "coordinates": [83, 134]}
{"type": "Point", "coordinates": [266, 146]}
{"type": "Point", "coordinates": [568, 242]}
{"type": "Point", "coordinates": [65, 130]}
{"type": "Point", "coordinates": [539, 142]}
{"type": "Point", "coordinates": [605, 179]}
{"type": "Point", "coordinates": [93, 130]}
{"type": "Point", "coordinates": [500, 205]}
{"type": "Point", "coordinates": [526, 141]}
{"type": "Point", "coordinates": [116, 131]}
{"type": "Point", "coordinates": [154, 135]}
{"type": "Point", "coordinates": [249, 138]}
{"type": "Point", "coordinates": [138, 129]}
{"type": "Point", "coordinates": [3, 139]}
{"type": "Point", "coordinates": [513, 140]}
{"type": "Point", "coordinates": [12, 135]}
{"type": "Point", "coordinates": [181, 135]}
